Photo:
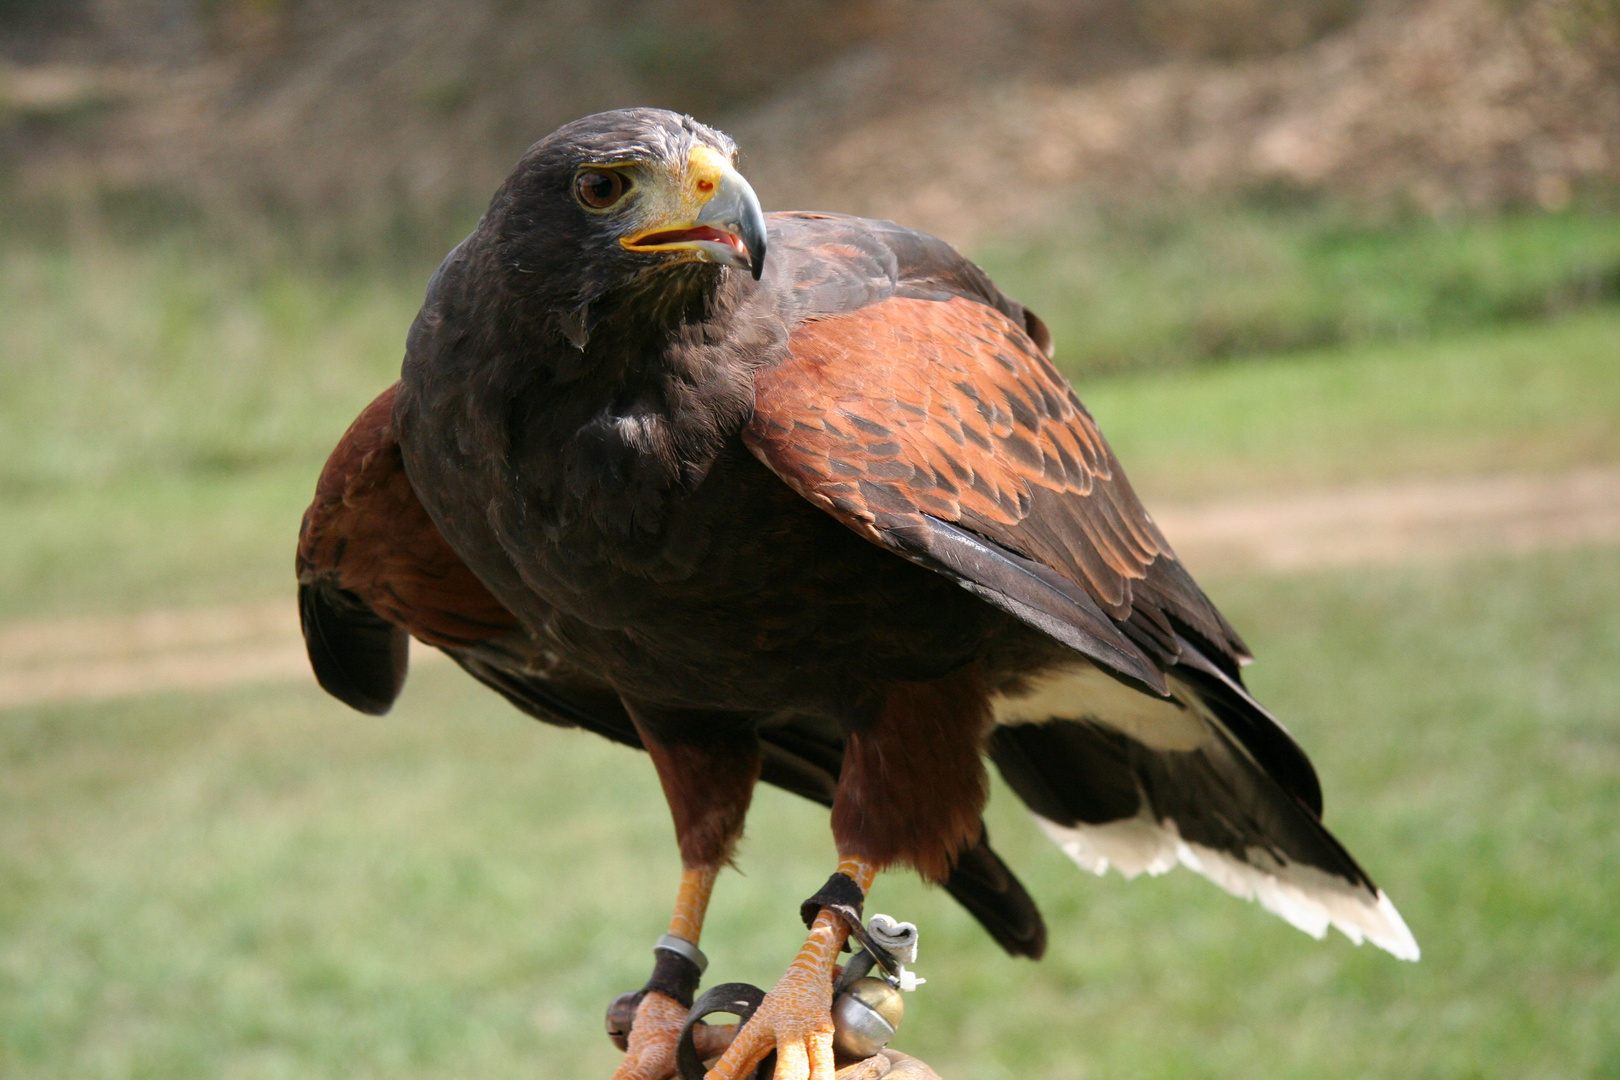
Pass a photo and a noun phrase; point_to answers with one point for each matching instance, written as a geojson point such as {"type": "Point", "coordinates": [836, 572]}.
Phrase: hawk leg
{"type": "Point", "coordinates": [910, 793]}
{"type": "Point", "coordinates": [708, 780]}
{"type": "Point", "coordinates": [795, 1019]}
{"type": "Point", "coordinates": [659, 1014]}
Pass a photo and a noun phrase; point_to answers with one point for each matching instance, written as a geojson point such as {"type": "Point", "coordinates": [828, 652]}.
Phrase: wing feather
{"type": "Point", "coordinates": [909, 414]}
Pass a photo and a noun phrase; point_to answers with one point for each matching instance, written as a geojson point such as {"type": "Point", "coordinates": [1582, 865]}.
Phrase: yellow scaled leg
{"type": "Point", "coordinates": [795, 1019]}
{"type": "Point", "coordinates": [659, 1019]}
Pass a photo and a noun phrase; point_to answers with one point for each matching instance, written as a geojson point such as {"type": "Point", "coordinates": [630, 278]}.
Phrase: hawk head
{"type": "Point", "coordinates": [611, 203]}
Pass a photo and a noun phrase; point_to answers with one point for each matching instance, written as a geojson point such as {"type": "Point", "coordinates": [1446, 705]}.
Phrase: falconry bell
{"type": "Point", "coordinates": [865, 1017]}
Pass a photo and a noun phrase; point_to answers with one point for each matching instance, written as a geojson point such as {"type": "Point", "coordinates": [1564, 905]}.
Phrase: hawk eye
{"type": "Point", "coordinates": [599, 188]}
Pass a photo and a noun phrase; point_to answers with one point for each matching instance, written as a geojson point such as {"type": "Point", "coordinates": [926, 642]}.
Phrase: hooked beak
{"type": "Point", "coordinates": [728, 226]}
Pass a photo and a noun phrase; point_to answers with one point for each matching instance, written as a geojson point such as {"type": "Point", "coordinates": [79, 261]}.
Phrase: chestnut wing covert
{"type": "Point", "coordinates": [935, 426]}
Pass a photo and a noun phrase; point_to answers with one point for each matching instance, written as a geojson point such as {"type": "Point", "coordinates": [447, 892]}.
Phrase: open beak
{"type": "Point", "coordinates": [725, 224]}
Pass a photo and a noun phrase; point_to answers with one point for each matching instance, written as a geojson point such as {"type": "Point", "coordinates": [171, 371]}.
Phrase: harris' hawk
{"type": "Point", "coordinates": [800, 498]}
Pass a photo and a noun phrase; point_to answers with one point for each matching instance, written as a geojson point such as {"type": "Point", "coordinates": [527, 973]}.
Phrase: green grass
{"type": "Point", "coordinates": [261, 884]}
{"type": "Point", "coordinates": [1130, 290]}
{"type": "Point", "coordinates": [1534, 398]}
{"type": "Point", "coordinates": [164, 413]}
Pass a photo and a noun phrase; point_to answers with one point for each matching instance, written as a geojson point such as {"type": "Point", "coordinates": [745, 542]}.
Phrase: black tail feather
{"type": "Point", "coordinates": [986, 887]}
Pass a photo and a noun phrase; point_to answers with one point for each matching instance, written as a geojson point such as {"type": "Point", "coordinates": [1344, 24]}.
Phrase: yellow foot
{"type": "Point", "coordinates": [795, 1019]}
{"type": "Point", "coordinates": [651, 1053]}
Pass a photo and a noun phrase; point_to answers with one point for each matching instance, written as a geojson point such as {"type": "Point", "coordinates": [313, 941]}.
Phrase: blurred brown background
{"type": "Point", "coordinates": [375, 118]}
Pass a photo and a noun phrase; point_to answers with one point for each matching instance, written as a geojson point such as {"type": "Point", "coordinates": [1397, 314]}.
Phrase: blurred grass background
{"type": "Point", "coordinates": [259, 884]}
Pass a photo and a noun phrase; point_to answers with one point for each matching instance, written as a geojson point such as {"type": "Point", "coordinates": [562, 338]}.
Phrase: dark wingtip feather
{"type": "Point", "coordinates": [359, 657]}
{"type": "Point", "coordinates": [986, 887]}
{"type": "Point", "coordinates": [1030, 590]}
{"type": "Point", "coordinates": [1262, 734]}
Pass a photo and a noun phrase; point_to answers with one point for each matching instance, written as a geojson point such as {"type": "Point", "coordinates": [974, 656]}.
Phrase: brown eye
{"type": "Point", "coordinates": [599, 188]}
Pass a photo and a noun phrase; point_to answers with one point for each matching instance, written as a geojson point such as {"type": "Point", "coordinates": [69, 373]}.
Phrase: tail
{"type": "Point", "coordinates": [984, 885]}
{"type": "Point", "coordinates": [1142, 784]}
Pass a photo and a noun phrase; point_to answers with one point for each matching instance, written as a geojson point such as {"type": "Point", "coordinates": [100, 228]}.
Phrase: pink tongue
{"type": "Point", "coordinates": [702, 232]}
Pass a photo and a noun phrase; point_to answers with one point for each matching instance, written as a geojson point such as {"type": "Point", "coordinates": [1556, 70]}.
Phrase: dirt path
{"type": "Point", "coordinates": [1397, 522]}
{"type": "Point", "coordinates": [90, 659]}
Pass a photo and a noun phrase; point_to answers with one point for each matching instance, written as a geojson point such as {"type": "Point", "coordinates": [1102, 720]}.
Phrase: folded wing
{"type": "Point", "coordinates": [936, 427]}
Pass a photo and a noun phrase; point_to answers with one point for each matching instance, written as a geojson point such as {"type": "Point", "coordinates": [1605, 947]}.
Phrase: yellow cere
{"type": "Point", "coordinates": [671, 206]}
{"type": "Point", "coordinates": [705, 167]}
